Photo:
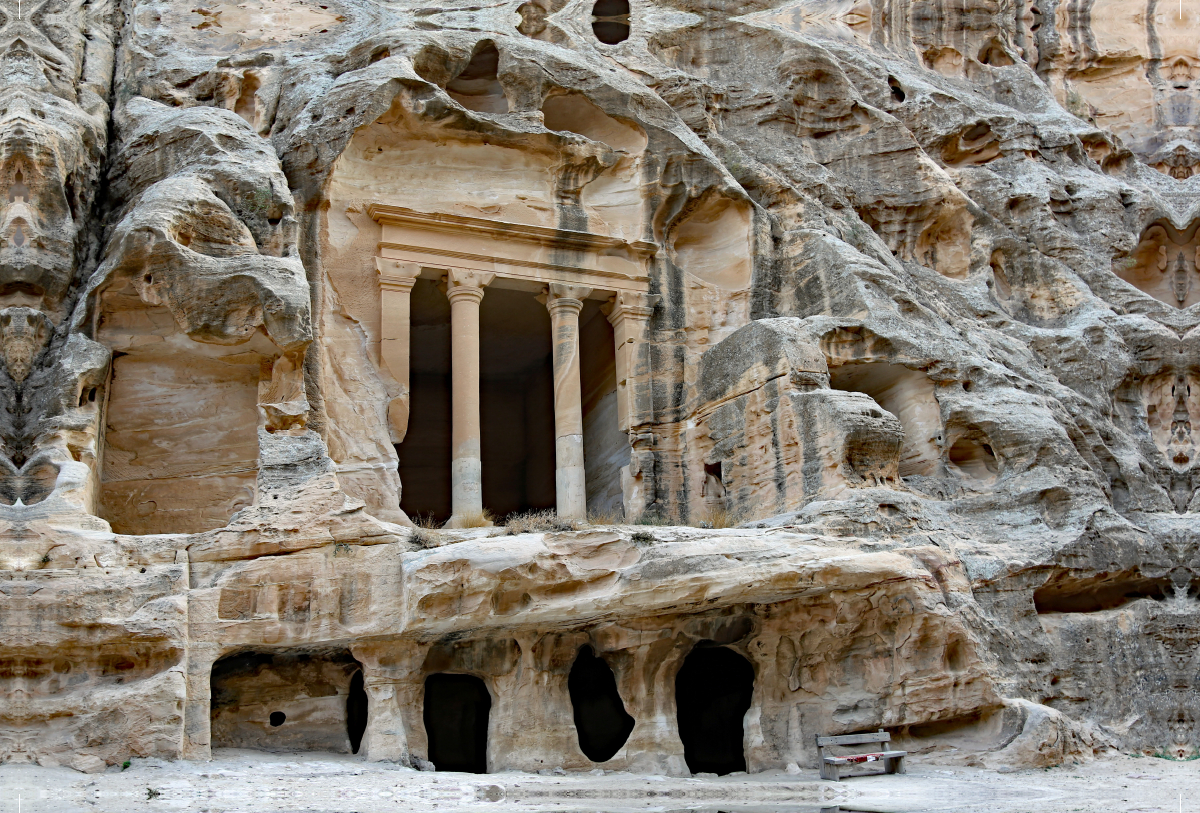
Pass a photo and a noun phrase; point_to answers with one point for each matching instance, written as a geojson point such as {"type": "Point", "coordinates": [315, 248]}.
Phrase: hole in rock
{"type": "Point", "coordinates": [575, 113]}
{"type": "Point", "coordinates": [977, 145]}
{"type": "Point", "coordinates": [907, 394]}
{"type": "Point", "coordinates": [994, 54]}
{"type": "Point", "coordinates": [38, 482]}
{"type": "Point", "coordinates": [456, 722]}
{"type": "Point", "coordinates": [1001, 287]}
{"type": "Point", "coordinates": [713, 243]}
{"type": "Point", "coordinates": [897, 91]}
{"type": "Point", "coordinates": [974, 458]}
{"type": "Point", "coordinates": [533, 19]}
{"type": "Point", "coordinates": [1104, 592]}
{"type": "Point", "coordinates": [255, 693]}
{"type": "Point", "coordinates": [356, 711]}
{"type": "Point", "coordinates": [246, 105]}
{"type": "Point", "coordinates": [1164, 264]}
{"type": "Point", "coordinates": [600, 717]}
{"type": "Point", "coordinates": [713, 691]}
{"type": "Point", "coordinates": [477, 86]}
{"type": "Point", "coordinates": [610, 21]}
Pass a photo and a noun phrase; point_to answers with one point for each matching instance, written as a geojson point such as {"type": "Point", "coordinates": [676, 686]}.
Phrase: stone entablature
{"type": "Point", "coordinates": [522, 255]}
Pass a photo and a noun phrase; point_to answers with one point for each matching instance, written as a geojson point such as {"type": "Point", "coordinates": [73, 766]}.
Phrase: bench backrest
{"type": "Point", "coordinates": [855, 739]}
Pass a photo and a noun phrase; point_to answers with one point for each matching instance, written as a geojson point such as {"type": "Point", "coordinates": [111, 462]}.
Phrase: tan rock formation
{"type": "Point", "coordinates": [840, 359]}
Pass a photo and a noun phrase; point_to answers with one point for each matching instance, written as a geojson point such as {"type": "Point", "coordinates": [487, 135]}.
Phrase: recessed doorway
{"type": "Point", "coordinates": [456, 714]}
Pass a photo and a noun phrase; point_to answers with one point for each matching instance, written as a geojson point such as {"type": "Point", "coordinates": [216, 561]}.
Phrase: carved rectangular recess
{"type": "Point", "coordinates": [181, 424]}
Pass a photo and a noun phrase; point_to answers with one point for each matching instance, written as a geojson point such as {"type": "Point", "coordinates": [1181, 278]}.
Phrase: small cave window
{"type": "Point", "coordinates": [277, 719]}
{"type": "Point", "coordinates": [600, 717]}
{"type": "Point", "coordinates": [356, 711]}
{"type": "Point", "coordinates": [456, 722]}
{"type": "Point", "coordinates": [974, 457]}
{"type": "Point", "coordinates": [477, 86]}
{"type": "Point", "coordinates": [713, 691]}
{"type": "Point", "coordinates": [610, 21]}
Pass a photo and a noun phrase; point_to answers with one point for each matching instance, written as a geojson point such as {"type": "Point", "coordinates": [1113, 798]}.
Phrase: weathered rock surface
{"type": "Point", "coordinates": [908, 292]}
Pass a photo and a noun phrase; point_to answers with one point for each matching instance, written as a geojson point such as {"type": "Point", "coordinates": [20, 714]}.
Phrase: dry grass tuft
{"type": "Point", "coordinates": [721, 517]}
{"type": "Point", "coordinates": [538, 522]}
{"type": "Point", "coordinates": [644, 538]}
{"type": "Point", "coordinates": [613, 516]}
{"type": "Point", "coordinates": [425, 521]}
{"type": "Point", "coordinates": [653, 517]}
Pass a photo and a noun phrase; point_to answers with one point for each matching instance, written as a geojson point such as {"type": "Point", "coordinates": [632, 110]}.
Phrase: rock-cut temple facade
{"type": "Point", "coordinates": [651, 385]}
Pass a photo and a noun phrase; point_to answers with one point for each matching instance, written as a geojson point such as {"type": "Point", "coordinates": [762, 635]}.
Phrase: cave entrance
{"type": "Point", "coordinates": [456, 722]}
{"type": "Point", "coordinates": [601, 721]}
{"type": "Point", "coordinates": [288, 700]}
{"type": "Point", "coordinates": [713, 691]}
{"type": "Point", "coordinates": [356, 711]}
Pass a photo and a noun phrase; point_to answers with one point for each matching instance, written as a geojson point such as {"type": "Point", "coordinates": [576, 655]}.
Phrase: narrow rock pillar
{"type": "Point", "coordinates": [396, 280]}
{"type": "Point", "coordinates": [564, 303]}
{"type": "Point", "coordinates": [629, 313]}
{"type": "Point", "coordinates": [465, 292]}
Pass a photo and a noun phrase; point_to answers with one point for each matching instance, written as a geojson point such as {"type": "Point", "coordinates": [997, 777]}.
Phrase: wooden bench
{"type": "Point", "coordinates": [893, 761]}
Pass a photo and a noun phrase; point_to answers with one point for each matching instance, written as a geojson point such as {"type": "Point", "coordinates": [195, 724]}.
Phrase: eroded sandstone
{"type": "Point", "coordinates": [853, 345]}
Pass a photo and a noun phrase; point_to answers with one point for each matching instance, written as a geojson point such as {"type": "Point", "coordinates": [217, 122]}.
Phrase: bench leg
{"type": "Point", "coordinates": [829, 771]}
{"type": "Point", "coordinates": [896, 765]}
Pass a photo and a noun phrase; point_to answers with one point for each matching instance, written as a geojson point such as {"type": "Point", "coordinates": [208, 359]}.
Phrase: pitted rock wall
{"type": "Point", "coordinates": [921, 318]}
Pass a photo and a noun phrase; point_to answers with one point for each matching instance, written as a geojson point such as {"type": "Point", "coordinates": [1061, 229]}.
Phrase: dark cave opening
{"type": "Point", "coordinates": [713, 691]}
{"type": "Point", "coordinates": [356, 711]}
{"type": "Point", "coordinates": [1096, 594]}
{"type": "Point", "coordinates": [610, 21]}
{"type": "Point", "coordinates": [456, 722]}
{"type": "Point", "coordinates": [600, 717]}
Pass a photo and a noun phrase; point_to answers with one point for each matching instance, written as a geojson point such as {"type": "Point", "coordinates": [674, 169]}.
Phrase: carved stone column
{"type": "Point", "coordinates": [396, 280]}
{"type": "Point", "coordinates": [564, 303]}
{"type": "Point", "coordinates": [465, 291]}
{"type": "Point", "coordinates": [629, 313]}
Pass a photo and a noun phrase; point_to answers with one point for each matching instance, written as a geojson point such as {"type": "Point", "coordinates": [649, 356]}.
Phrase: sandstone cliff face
{"type": "Point", "coordinates": [908, 292]}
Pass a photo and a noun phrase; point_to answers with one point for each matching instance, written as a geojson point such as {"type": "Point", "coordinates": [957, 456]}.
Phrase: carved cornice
{"type": "Point", "coordinates": [387, 215]}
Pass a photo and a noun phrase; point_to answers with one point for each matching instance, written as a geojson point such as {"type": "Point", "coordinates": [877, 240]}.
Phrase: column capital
{"type": "Point", "coordinates": [396, 275]}
{"type": "Point", "coordinates": [630, 304]}
{"type": "Point", "coordinates": [558, 297]}
{"type": "Point", "coordinates": [466, 284]}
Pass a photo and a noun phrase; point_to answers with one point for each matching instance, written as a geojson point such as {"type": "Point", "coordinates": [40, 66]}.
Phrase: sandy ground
{"type": "Point", "coordinates": [254, 782]}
